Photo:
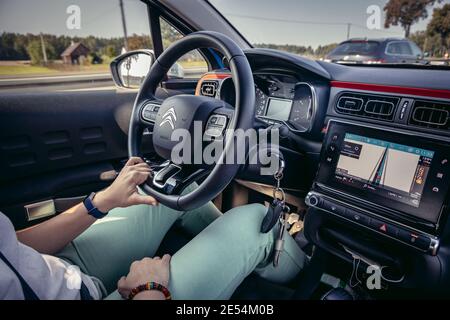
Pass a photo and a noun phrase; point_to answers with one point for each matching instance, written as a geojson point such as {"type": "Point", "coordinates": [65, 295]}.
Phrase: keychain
{"type": "Point", "coordinates": [275, 209]}
{"type": "Point", "coordinates": [279, 243]}
{"type": "Point", "coordinates": [278, 212]}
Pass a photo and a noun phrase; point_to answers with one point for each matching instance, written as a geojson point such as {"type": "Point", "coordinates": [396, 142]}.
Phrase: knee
{"type": "Point", "coordinates": [249, 215]}
{"type": "Point", "coordinates": [247, 221]}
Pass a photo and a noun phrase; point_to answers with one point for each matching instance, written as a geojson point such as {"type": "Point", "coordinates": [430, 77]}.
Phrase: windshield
{"type": "Point", "coordinates": [381, 31]}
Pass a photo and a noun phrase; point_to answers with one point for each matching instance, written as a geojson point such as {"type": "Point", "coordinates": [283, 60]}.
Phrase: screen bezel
{"type": "Point", "coordinates": [431, 203]}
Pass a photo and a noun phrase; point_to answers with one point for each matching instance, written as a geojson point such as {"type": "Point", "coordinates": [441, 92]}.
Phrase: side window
{"type": "Point", "coordinates": [399, 48]}
{"type": "Point", "coordinates": [190, 66]}
{"type": "Point", "coordinates": [405, 49]}
{"type": "Point", "coordinates": [78, 42]}
{"type": "Point", "coordinates": [416, 50]}
{"type": "Point", "coordinates": [393, 48]}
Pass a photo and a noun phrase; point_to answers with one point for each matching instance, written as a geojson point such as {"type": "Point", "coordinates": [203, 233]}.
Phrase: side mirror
{"type": "Point", "coordinates": [130, 69]}
{"type": "Point", "coordinates": [426, 54]}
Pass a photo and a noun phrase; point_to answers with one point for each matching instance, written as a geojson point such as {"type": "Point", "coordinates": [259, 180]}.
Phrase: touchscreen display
{"type": "Point", "coordinates": [395, 171]}
{"type": "Point", "coordinates": [279, 109]}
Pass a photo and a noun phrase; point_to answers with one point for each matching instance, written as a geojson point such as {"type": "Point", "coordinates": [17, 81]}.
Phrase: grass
{"type": "Point", "coordinates": [24, 70]}
{"type": "Point", "coordinates": [193, 64]}
{"type": "Point", "coordinates": [29, 70]}
{"type": "Point", "coordinates": [75, 68]}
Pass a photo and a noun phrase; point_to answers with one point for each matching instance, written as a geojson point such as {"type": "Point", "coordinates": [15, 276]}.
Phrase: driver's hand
{"type": "Point", "coordinates": [143, 271]}
{"type": "Point", "coordinates": [123, 191]}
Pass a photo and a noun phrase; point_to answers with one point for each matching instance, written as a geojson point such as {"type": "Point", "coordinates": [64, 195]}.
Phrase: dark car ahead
{"type": "Point", "coordinates": [376, 51]}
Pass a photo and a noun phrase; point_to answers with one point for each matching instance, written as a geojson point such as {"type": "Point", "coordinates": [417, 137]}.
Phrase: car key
{"type": "Point", "coordinates": [279, 243]}
{"type": "Point", "coordinates": [272, 216]}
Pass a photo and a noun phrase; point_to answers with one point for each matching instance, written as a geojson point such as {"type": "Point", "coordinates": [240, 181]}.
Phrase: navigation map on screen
{"type": "Point", "coordinates": [393, 170]}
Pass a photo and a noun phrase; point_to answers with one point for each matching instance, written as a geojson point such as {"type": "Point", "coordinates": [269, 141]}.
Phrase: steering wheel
{"type": "Point", "coordinates": [162, 117]}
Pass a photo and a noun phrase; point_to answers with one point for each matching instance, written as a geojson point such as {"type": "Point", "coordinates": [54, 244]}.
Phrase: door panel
{"type": "Point", "coordinates": [54, 131]}
{"type": "Point", "coordinates": [57, 145]}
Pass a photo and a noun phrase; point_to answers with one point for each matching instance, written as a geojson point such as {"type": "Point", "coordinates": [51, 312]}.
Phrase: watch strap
{"type": "Point", "coordinates": [93, 210]}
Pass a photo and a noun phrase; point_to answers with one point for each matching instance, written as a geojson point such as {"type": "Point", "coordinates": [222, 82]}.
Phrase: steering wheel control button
{"type": "Point", "coordinates": [213, 120]}
{"type": "Point", "coordinates": [216, 125]}
{"type": "Point", "coordinates": [221, 121]}
{"type": "Point", "coordinates": [150, 111]}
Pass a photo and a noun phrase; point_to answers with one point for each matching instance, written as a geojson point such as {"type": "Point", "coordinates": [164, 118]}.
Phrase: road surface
{"type": "Point", "coordinates": [67, 82]}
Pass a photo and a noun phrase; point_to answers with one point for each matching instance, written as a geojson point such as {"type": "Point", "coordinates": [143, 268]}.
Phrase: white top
{"type": "Point", "coordinates": [48, 276]}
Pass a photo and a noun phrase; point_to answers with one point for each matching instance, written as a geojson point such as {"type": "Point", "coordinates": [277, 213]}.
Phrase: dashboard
{"type": "Point", "coordinates": [279, 98]}
{"type": "Point", "coordinates": [374, 146]}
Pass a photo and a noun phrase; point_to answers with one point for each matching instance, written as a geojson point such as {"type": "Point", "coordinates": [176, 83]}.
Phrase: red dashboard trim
{"type": "Point", "coordinates": [432, 93]}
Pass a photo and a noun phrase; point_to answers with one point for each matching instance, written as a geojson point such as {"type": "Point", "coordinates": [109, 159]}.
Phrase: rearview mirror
{"type": "Point", "coordinates": [130, 69]}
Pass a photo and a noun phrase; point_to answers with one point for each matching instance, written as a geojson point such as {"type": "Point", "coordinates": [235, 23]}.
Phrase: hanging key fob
{"type": "Point", "coordinates": [272, 216]}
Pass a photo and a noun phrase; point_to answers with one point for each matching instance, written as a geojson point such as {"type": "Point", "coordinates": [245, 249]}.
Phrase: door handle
{"type": "Point", "coordinates": [108, 175]}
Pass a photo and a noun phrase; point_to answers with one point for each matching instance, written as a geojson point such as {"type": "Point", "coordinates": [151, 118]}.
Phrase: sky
{"type": "Point", "coordinates": [298, 22]}
{"type": "Point", "coordinates": [323, 21]}
{"type": "Point", "coordinates": [98, 17]}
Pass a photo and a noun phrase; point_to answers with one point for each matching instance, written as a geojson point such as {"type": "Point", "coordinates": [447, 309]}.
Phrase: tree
{"type": "Point", "coordinates": [322, 51]}
{"type": "Point", "coordinates": [110, 51]}
{"type": "Point", "coordinates": [406, 13]}
{"type": "Point", "coordinates": [35, 52]}
{"type": "Point", "coordinates": [169, 34]}
{"type": "Point", "coordinates": [440, 25]}
{"type": "Point", "coordinates": [136, 42]}
{"type": "Point", "coordinates": [430, 44]}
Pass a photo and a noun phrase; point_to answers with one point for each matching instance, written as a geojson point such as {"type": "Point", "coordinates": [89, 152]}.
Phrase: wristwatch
{"type": "Point", "coordinates": [92, 210]}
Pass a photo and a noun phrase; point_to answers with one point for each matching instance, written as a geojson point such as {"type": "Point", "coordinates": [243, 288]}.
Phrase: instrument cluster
{"type": "Point", "coordinates": [278, 99]}
{"type": "Point", "coordinates": [282, 99]}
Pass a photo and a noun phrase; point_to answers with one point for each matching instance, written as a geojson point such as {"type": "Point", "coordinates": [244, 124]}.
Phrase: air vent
{"type": "Point", "coordinates": [369, 106]}
{"type": "Point", "coordinates": [209, 88]}
{"type": "Point", "coordinates": [348, 104]}
{"type": "Point", "coordinates": [432, 115]}
{"type": "Point", "coordinates": [379, 108]}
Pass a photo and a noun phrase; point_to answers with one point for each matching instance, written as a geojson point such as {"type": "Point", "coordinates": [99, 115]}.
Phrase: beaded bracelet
{"type": "Point", "coordinates": [148, 287]}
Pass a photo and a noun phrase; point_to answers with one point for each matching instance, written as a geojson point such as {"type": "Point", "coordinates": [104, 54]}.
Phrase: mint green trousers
{"type": "Point", "coordinates": [225, 250]}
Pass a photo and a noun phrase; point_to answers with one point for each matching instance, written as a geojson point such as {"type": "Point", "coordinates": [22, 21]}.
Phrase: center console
{"type": "Point", "coordinates": [381, 194]}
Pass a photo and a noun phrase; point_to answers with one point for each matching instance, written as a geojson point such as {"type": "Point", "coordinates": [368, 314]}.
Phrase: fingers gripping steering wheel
{"type": "Point", "coordinates": [180, 112]}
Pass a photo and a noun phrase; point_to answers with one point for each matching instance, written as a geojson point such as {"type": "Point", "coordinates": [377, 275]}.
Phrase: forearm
{"type": "Point", "coordinates": [53, 235]}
